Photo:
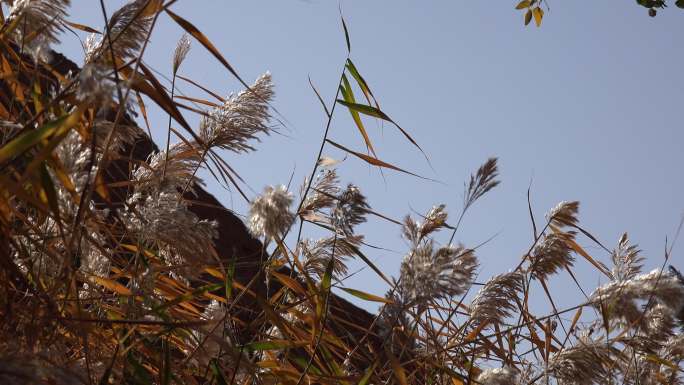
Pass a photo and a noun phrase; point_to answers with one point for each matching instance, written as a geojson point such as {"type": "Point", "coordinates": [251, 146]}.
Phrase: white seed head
{"type": "Point", "coordinates": [627, 262]}
{"type": "Point", "coordinates": [662, 287]}
{"type": "Point", "coordinates": [211, 337]}
{"type": "Point", "coordinates": [322, 193]}
{"type": "Point", "coordinates": [181, 51]}
{"type": "Point", "coordinates": [93, 85]}
{"type": "Point", "coordinates": [564, 214]}
{"type": "Point", "coordinates": [498, 376]}
{"type": "Point", "coordinates": [233, 125]}
{"type": "Point", "coordinates": [588, 362]}
{"type": "Point", "coordinates": [166, 220]}
{"type": "Point", "coordinates": [170, 173]}
{"type": "Point", "coordinates": [350, 210]}
{"type": "Point", "coordinates": [495, 300]}
{"type": "Point", "coordinates": [269, 215]}
{"type": "Point", "coordinates": [427, 274]}
{"type": "Point", "coordinates": [128, 27]}
{"type": "Point", "coordinates": [39, 24]}
{"type": "Point", "coordinates": [318, 254]}
{"type": "Point", "coordinates": [434, 220]}
{"type": "Point", "coordinates": [551, 254]}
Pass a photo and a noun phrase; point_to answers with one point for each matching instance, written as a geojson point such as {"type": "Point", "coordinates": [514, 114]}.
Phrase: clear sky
{"type": "Point", "coordinates": [588, 108]}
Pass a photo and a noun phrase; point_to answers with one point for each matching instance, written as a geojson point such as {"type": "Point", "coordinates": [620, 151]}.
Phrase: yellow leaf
{"type": "Point", "coordinates": [523, 4]}
{"type": "Point", "coordinates": [473, 334]}
{"type": "Point", "coordinates": [579, 250]}
{"type": "Point", "coordinates": [289, 282]}
{"type": "Point", "coordinates": [366, 296]}
{"type": "Point", "coordinates": [112, 285]}
{"type": "Point", "coordinates": [576, 318]}
{"type": "Point", "coordinates": [135, 249]}
{"type": "Point", "coordinates": [398, 370]}
{"type": "Point", "coordinates": [81, 27]}
{"type": "Point", "coordinates": [538, 15]}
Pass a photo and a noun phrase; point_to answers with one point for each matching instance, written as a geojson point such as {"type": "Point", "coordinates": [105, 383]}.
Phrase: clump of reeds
{"type": "Point", "coordinates": [118, 267]}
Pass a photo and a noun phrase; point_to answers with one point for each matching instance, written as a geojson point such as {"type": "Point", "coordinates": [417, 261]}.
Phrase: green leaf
{"type": "Point", "coordinates": [366, 296]}
{"type": "Point", "coordinates": [216, 371]}
{"type": "Point", "coordinates": [366, 110]}
{"type": "Point", "coordinates": [50, 191]}
{"type": "Point", "coordinates": [368, 374]}
{"type": "Point", "coordinates": [348, 95]}
{"type": "Point", "coordinates": [326, 282]}
{"type": "Point", "coordinates": [304, 363]}
{"type": "Point", "coordinates": [361, 82]}
{"type": "Point", "coordinates": [230, 274]}
{"type": "Point", "coordinates": [346, 32]}
{"type": "Point", "coordinates": [330, 361]}
{"type": "Point", "coordinates": [267, 345]}
{"type": "Point", "coordinates": [32, 137]}
{"type": "Point", "coordinates": [528, 16]}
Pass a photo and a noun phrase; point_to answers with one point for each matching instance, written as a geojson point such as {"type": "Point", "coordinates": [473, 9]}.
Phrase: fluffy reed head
{"type": "Point", "coordinates": [37, 23]}
{"type": "Point", "coordinates": [427, 274]}
{"type": "Point", "coordinates": [481, 182]}
{"type": "Point", "coordinates": [551, 254]}
{"type": "Point", "coordinates": [589, 362]}
{"type": "Point", "coordinates": [659, 286]}
{"type": "Point", "coordinates": [319, 253]}
{"type": "Point", "coordinates": [127, 30]}
{"type": "Point", "coordinates": [627, 262]}
{"type": "Point", "coordinates": [181, 51]}
{"type": "Point", "coordinates": [433, 221]}
{"type": "Point", "coordinates": [269, 214]}
{"type": "Point", "coordinates": [240, 119]}
{"type": "Point", "coordinates": [498, 376]}
{"type": "Point", "coordinates": [564, 214]}
{"type": "Point", "coordinates": [495, 300]}
{"type": "Point", "coordinates": [350, 210]}
{"type": "Point", "coordinates": [322, 194]}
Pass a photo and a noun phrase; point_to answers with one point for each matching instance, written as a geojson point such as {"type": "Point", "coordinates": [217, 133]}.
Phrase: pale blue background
{"type": "Point", "coordinates": [588, 107]}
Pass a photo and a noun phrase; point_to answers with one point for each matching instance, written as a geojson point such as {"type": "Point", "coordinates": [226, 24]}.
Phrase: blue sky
{"type": "Point", "coordinates": [588, 108]}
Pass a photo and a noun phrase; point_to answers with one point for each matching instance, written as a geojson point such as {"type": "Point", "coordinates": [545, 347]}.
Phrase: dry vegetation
{"type": "Point", "coordinates": [116, 266]}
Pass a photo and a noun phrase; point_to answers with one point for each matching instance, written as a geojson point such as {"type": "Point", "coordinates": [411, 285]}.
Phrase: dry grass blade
{"type": "Point", "coordinates": [377, 113]}
{"type": "Point", "coordinates": [374, 161]}
{"type": "Point", "coordinates": [192, 30]}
